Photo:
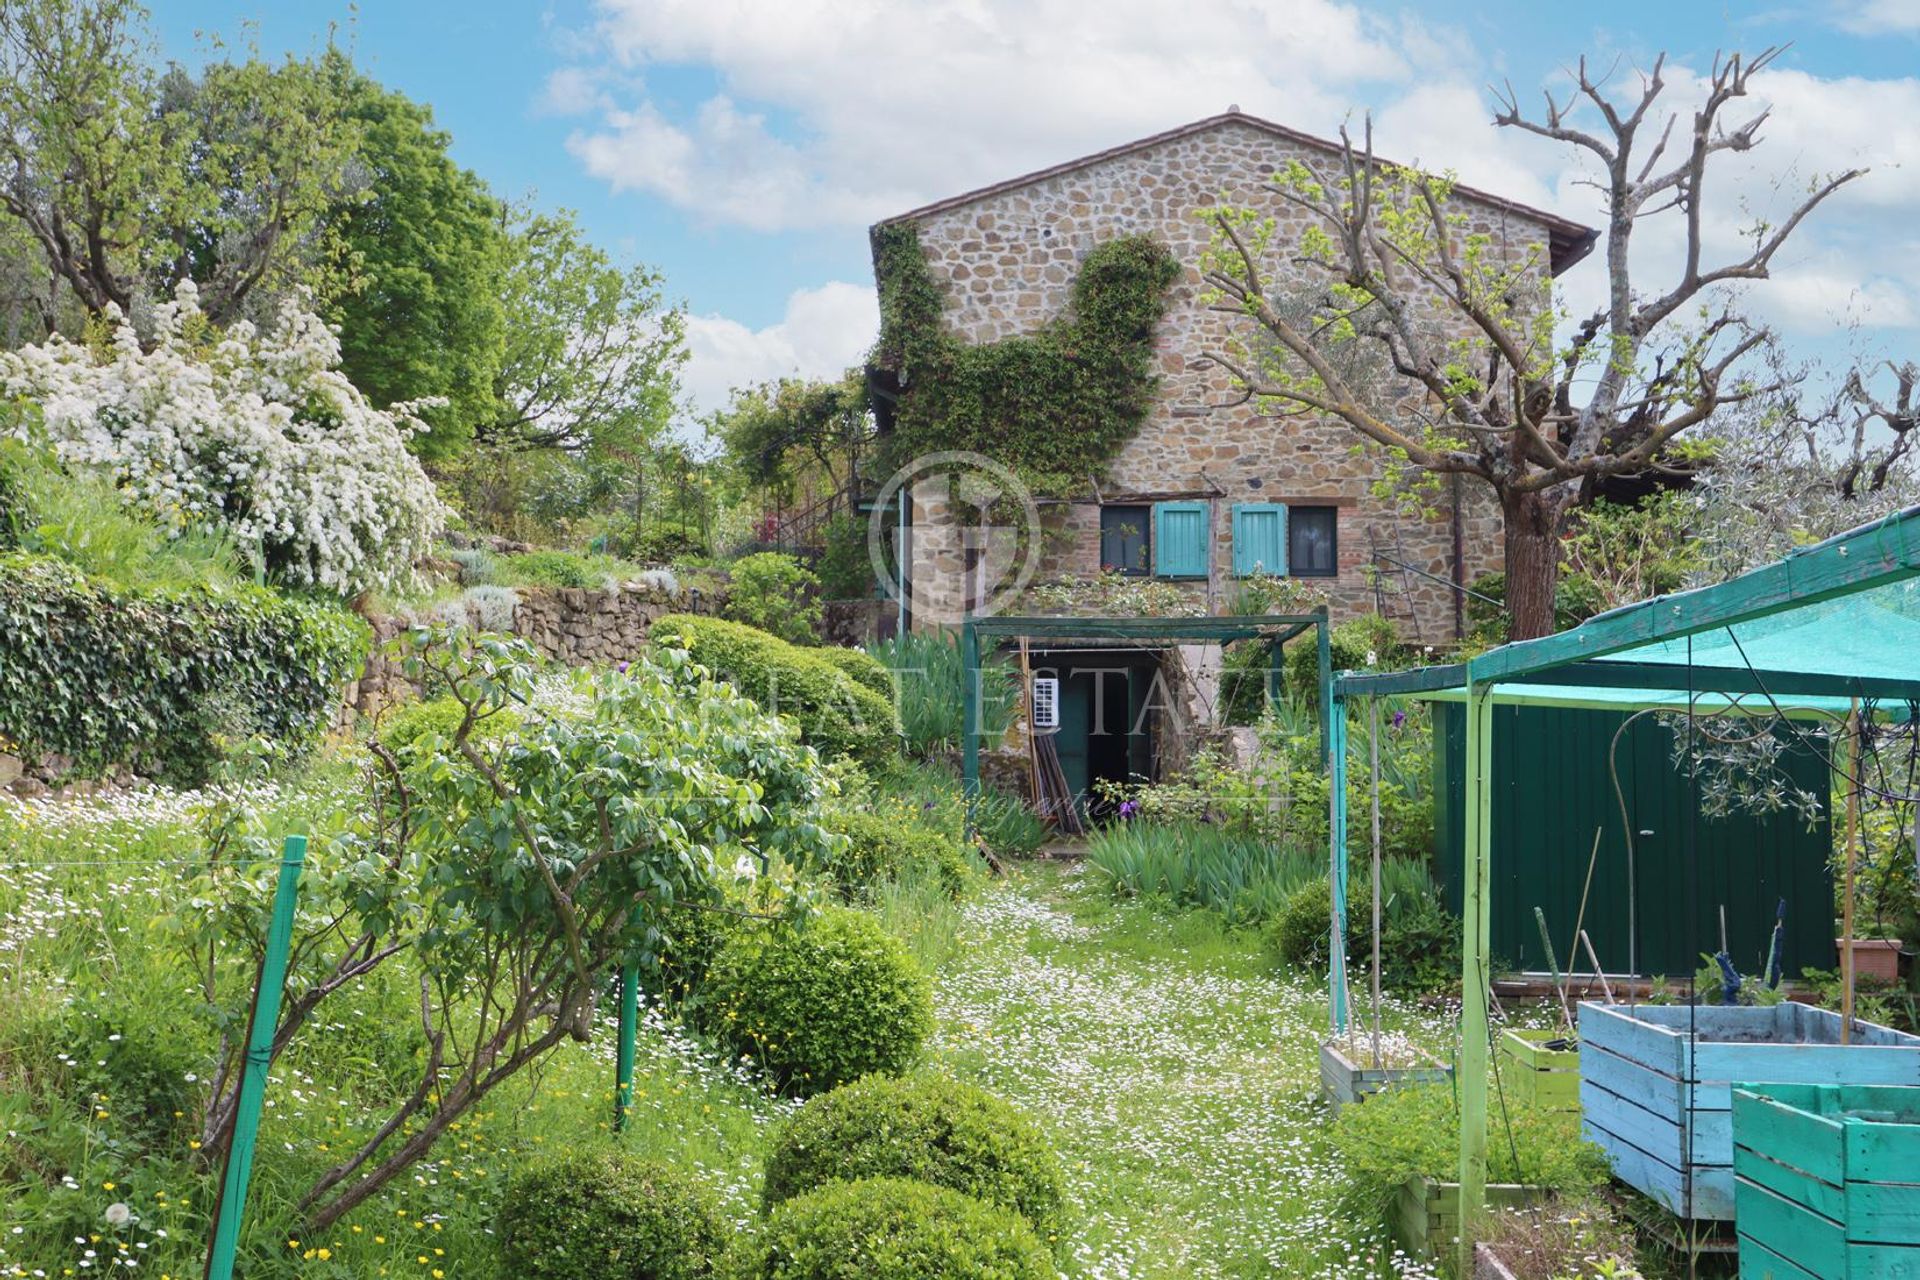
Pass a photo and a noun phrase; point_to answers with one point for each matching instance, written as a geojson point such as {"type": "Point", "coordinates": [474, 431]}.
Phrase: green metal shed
{"type": "Point", "coordinates": [1552, 789]}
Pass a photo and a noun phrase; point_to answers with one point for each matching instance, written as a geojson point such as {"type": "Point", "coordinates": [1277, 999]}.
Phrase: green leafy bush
{"type": "Point", "coordinates": [883, 848]}
{"type": "Point", "coordinates": [1350, 644]}
{"type": "Point", "coordinates": [777, 594]}
{"type": "Point", "coordinates": [1419, 937]}
{"type": "Point", "coordinates": [928, 1128]}
{"type": "Point", "coordinates": [834, 713]}
{"type": "Point", "coordinates": [403, 725]}
{"type": "Point", "coordinates": [892, 1229]}
{"type": "Point", "coordinates": [163, 680]}
{"type": "Point", "coordinates": [553, 569]}
{"type": "Point", "coordinates": [821, 1004]}
{"type": "Point", "coordinates": [607, 1215]}
{"type": "Point", "coordinates": [846, 564]}
{"type": "Point", "coordinates": [659, 544]}
{"type": "Point", "coordinates": [1414, 1131]}
{"type": "Point", "coordinates": [863, 668]}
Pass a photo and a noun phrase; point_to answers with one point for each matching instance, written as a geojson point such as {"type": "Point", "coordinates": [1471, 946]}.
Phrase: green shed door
{"type": "Point", "coordinates": [1552, 790]}
{"type": "Point", "coordinates": [1070, 741]}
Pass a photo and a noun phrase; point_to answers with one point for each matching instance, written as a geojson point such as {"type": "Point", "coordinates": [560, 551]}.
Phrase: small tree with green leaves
{"type": "Point", "coordinates": [516, 872]}
{"type": "Point", "coordinates": [1435, 343]}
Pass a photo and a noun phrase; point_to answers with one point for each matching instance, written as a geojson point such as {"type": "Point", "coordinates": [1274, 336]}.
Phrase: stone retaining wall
{"type": "Point", "coordinates": [571, 625]}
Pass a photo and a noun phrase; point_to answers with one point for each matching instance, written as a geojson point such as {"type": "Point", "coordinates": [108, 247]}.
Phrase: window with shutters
{"type": "Point", "coordinates": [1259, 539]}
{"type": "Point", "coordinates": [1313, 544]}
{"type": "Point", "coordinates": [1124, 539]}
{"type": "Point", "coordinates": [1180, 537]}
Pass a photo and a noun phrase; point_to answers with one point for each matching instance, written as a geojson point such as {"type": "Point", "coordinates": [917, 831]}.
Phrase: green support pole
{"type": "Point", "coordinates": [1276, 673]}
{"type": "Point", "coordinates": [1336, 709]}
{"type": "Point", "coordinates": [970, 723]}
{"type": "Point", "coordinates": [1323, 634]}
{"type": "Point", "coordinates": [1475, 942]}
{"type": "Point", "coordinates": [231, 1210]}
{"type": "Point", "coordinates": [623, 1056]}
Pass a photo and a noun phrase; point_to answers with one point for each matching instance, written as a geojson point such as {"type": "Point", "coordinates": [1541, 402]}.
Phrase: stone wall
{"type": "Point", "coordinates": [1008, 260]}
{"type": "Point", "coordinates": [574, 626]}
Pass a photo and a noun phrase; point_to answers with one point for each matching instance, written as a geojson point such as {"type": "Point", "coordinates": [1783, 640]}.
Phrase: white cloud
{"type": "Point", "coordinates": [823, 332]}
{"type": "Point", "coordinates": [866, 108]}
{"type": "Point", "coordinates": [1878, 17]}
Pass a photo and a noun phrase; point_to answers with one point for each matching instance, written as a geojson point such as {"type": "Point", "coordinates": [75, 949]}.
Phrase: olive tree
{"type": "Point", "coordinates": [1436, 345]}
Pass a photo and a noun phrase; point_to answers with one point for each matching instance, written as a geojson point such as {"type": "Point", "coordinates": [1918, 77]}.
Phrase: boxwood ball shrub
{"type": "Point", "coordinates": [880, 849]}
{"type": "Point", "coordinates": [892, 1229]}
{"type": "Point", "coordinates": [608, 1215]}
{"type": "Point", "coordinates": [835, 714]}
{"type": "Point", "coordinates": [820, 1004]}
{"type": "Point", "coordinates": [925, 1127]}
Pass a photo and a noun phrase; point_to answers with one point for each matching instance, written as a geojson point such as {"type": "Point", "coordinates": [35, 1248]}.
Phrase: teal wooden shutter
{"type": "Point", "coordinates": [1259, 539]}
{"type": "Point", "coordinates": [1180, 539]}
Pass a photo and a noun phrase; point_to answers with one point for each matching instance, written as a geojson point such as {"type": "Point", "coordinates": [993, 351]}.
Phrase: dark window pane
{"type": "Point", "coordinates": [1312, 551]}
{"type": "Point", "coordinates": [1123, 538]}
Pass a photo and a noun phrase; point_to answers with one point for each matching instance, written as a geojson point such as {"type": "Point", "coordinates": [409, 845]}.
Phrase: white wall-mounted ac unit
{"type": "Point", "coordinates": [1046, 702]}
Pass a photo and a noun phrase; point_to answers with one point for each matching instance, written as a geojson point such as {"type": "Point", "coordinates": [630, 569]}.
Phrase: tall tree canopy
{"type": "Point", "coordinates": [127, 180]}
{"type": "Point", "coordinates": [418, 302]}
{"type": "Point", "coordinates": [1437, 344]}
{"type": "Point", "coordinates": [592, 352]}
{"type": "Point", "coordinates": [776, 432]}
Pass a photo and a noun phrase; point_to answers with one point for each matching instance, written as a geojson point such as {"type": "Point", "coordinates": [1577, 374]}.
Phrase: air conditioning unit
{"type": "Point", "coordinates": [1046, 702]}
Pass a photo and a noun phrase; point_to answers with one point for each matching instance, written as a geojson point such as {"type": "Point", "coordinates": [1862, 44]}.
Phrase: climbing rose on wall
{"type": "Point", "coordinates": [255, 431]}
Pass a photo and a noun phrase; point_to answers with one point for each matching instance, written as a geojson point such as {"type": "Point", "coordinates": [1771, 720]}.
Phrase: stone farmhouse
{"type": "Point", "coordinates": [1207, 489]}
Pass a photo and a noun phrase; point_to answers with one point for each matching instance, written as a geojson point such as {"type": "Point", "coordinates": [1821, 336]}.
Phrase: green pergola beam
{"type": "Point", "coordinates": [1883, 552]}
{"type": "Point", "coordinates": [1355, 684]}
{"type": "Point", "coordinates": [1612, 673]}
{"type": "Point", "coordinates": [1337, 864]}
{"type": "Point", "coordinates": [1476, 932]}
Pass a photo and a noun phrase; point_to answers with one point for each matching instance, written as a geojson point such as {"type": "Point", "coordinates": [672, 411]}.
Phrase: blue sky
{"type": "Point", "coordinates": [741, 146]}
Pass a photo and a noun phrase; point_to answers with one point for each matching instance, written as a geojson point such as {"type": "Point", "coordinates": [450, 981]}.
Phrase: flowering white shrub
{"type": "Point", "coordinates": [257, 432]}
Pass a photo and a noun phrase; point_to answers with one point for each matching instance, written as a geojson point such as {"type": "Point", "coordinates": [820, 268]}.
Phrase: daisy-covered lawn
{"type": "Point", "coordinates": [1178, 1075]}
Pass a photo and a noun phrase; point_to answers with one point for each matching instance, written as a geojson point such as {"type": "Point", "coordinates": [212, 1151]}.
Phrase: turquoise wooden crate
{"type": "Point", "coordinates": [1827, 1181]}
{"type": "Point", "coordinates": [1656, 1092]}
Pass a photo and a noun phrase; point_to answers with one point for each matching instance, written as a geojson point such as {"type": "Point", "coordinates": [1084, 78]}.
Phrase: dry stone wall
{"type": "Point", "coordinates": [1007, 262]}
{"type": "Point", "coordinates": [574, 626]}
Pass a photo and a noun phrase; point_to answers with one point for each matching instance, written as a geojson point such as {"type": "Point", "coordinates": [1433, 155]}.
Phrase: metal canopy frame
{"type": "Point", "coordinates": [1878, 554]}
{"type": "Point", "coordinates": [1275, 628]}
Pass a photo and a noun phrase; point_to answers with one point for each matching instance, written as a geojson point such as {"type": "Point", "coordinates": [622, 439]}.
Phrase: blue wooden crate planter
{"type": "Point", "coordinates": [1639, 1069]}
{"type": "Point", "coordinates": [1825, 1181]}
{"type": "Point", "coordinates": [1342, 1080]}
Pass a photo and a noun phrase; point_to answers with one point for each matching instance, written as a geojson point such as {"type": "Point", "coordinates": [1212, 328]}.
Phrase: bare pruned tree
{"type": "Point", "coordinates": [1461, 329]}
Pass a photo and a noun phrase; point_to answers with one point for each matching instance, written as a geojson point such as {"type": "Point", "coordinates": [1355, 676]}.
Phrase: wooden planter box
{"type": "Point", "coordinates": [1825, 1181]}
{"type": "Point", "coordinates": [1425, 1215]}
{"type": "Point", "coordinates": [1660, 1103]}
{"type": "Point", "coordinates": [1876, 958]}
{"type": "Point", "coordinates": [1343, 1080]}
{"type": "Point", "coordinates": [1546, 1079]}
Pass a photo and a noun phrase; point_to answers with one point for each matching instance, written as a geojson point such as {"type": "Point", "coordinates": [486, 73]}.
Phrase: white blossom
{"type": "Point", "coordinates": [260, 433]}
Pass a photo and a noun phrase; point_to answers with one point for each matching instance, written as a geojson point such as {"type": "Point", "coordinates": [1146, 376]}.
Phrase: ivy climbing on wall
{"type": "Point", "coordinates": [1056, 404]}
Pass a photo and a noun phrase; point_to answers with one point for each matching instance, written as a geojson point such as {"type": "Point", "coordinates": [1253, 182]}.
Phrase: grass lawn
{"type": "Point", "coordinates": [1175, 1072]}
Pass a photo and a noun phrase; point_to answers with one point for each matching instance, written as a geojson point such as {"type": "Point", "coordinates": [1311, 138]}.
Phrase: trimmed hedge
{"type": "Point", "coordinates": [819, 1005]}
{"type": "Point", "coordinates": [882, 849]}
{"type": "Point", "coordinates": [836, 714]}
{"type": "Point", "coordinates": [928, 1128]}
{"type": "Point", "coordinates": [406, 724]}
{"type": "Point", "coordinates": [157, 680]}
{"type": "Point", "coordinates": [863, 667]}
{"type": "Point", "coordinates": [606, 1215]}
{"type": "Point", "coordinates": [892, 1229]}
